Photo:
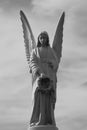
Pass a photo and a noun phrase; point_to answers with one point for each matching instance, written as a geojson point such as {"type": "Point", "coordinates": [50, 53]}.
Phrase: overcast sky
{"type": "Point", "coordinates": [15, 80]}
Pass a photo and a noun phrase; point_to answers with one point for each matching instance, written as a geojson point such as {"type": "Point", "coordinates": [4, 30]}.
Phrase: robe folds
{"type": "Point", "coordinates": [43, 61]}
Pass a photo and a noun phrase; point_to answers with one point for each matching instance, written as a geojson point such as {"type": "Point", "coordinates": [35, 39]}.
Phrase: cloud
{"type": "Point", "coordinates": [13, 5]}
{"type": "Point", "coordinates": [15, 102]}
{"type": "Point", "coordinates": [71, 108]}
{"type": "Point", "coordinates": [69, 123]}
{"type": "Point", "coordinates": [13, 69]}
{"type": "Point", "coordinates": [49, 7]}
{"type": "Point", "coordinates": [79, 18]}
{"type": "Point", "coordinates": [84, 85]}
{"type": "Point", "coordinates": [14, 126]}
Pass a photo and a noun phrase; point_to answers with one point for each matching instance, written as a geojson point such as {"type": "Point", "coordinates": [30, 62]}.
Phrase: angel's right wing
{"type": "Point", "coordinates": [58, 38]}
{"type": "Point", "coordinates": [28, 36]}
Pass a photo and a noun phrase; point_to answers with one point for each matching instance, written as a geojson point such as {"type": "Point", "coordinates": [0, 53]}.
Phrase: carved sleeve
{"type": "Point", "coordinates": [34, 64]}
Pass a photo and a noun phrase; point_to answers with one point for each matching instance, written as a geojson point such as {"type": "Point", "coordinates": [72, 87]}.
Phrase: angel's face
{"type": "Point", "coordinates": [43, 39]}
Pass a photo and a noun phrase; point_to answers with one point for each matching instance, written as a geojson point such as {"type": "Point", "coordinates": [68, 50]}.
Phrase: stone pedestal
{"type": "Point", "coordinates": [43, 127]}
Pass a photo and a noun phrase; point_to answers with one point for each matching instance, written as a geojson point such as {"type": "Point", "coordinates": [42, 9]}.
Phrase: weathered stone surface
{"type": "Point", "coordinates": [43, 127]}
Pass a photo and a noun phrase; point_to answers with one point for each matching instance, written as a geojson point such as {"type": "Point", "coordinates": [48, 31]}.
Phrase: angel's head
{"type": "Point", "coordinates": [43, 39]}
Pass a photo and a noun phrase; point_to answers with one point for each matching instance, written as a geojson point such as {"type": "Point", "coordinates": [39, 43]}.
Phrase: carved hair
{"type": "Point", "coordinates": [46, 34]}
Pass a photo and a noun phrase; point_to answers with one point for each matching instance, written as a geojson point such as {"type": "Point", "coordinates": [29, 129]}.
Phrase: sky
{"type": "Point", "coordinates": [15, 79]}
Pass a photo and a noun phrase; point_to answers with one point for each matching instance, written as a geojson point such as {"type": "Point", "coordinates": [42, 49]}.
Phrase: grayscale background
{"type": "Point", "coordinates": [15, 80]}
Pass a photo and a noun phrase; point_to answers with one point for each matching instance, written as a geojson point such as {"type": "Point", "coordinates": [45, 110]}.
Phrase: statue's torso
{"type": "Point", "coordinates": [44, 56]}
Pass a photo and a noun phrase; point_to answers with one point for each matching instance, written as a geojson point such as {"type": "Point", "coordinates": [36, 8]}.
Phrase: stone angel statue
{"type": "Point", "coordinates": [43, 63]}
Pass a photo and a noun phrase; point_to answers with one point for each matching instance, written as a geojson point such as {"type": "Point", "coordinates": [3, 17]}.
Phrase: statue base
{"type": "Point", "coordinates": [43, 127]}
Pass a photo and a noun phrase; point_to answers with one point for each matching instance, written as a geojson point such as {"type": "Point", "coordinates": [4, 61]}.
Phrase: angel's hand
{"type": "Point", "coordinates": [42, 75]}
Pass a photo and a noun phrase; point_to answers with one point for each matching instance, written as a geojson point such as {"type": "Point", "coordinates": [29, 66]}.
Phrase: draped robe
{"type": "Point", "coordinates": [43, 60]}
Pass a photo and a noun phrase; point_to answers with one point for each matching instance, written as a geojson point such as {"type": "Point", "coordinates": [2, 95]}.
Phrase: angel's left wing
{"type": "Point", "coordinates": [28, 36]}
{"type": "Point", "coordinates": [58, 38]}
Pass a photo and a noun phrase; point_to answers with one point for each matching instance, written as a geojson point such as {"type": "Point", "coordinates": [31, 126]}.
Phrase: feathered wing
{"type": "Point", "coordinates": [28, 36]}
{"type": "Point", "coordinates": [58, 38]}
